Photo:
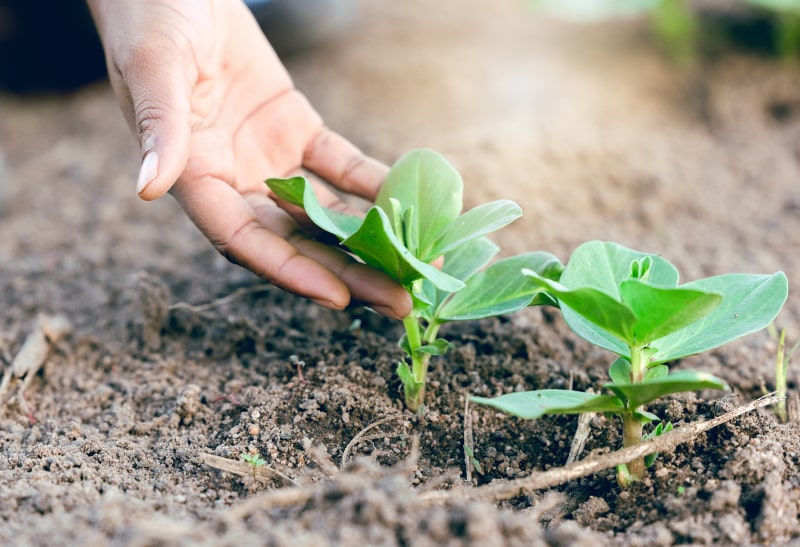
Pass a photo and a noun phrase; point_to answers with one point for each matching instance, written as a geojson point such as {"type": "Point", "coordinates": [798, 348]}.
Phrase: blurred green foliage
{"type": "Point", "coordinates": [683, 29]}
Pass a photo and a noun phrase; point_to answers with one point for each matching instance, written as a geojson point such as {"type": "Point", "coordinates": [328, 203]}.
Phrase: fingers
{"type": "Point", "coordinates": [254, 235]}
{"type": "Point", "coordinates": [335, 159]}
{"type": "Point", "coordinates": [230, 224]}
{"type": "Point", "coordinates": [160, 98]}
{"type": "Point", "coordinates": [152, 67]}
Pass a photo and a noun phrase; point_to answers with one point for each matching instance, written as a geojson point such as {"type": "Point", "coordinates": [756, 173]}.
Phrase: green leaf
{"type": "Point", "coordinates": [424, 181]}
{"type": "Point", "coordinates": [534, 404]}
{"type": "Point", "coordinates": [460, 263]}
{"type": "Point", "coordinates": [620, 371]}
{"type": "Point", "coordinates": [437, 347]}
{"type": "Point", "coordinates": [477, 222]}
{"type": "Point", "coordinates": [377, 245]}
{"type": "Point", "coordinates": [638, 394]}
{"type": "Point", "coordinates": [610, 318]}
{"type": "Point", "coordinates": [750, 303]}
{"type": "Point", "coordinates": [676, 321]}
{"type": "Point", "coordinates": [661, 311]}
{"type": "Point", "coordinates": [298, 191]}
{"type": "Point", "coordinates": [405, 374]}
{"type": "Point", "coordinates": [658, 371]}
{"type": "Point", "coordinates": [659, 430]}
{"type": "Point", "coordinates": [500, 289]}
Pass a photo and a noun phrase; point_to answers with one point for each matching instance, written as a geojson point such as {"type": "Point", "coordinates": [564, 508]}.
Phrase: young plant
{"type": "Point", "coordinates": [630, 303]}
{"type": "Point", "coordinates": [782, 360]}
{"type": "Point", "coordinates": [254, 460]}
{"type": "Point", "coordinates": [417, 219]}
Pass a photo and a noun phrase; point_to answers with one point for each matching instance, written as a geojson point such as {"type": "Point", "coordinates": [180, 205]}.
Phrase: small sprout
{"type": "Point", "coordinates": [417, 219]}
{"type": "Point", "coordinates": [473, 460]}
{"type": "Point", "coordinates": [255, 462]}
{"type": "Point", "coordinates": [782, 359]}
{"type": "Point", "coordinates": [630, 303]}
{"type": "Point", "coordinates": [681, 490]}
{"type": "Point", "coordinates": [299, 364]}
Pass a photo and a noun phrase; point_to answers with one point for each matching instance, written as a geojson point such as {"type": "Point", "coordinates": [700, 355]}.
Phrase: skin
{"type": "Point", "coordinates": [216, 113]}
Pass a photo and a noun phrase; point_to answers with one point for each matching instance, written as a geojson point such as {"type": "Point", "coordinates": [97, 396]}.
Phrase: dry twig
{"type": "Point", "coordinates": [263, 473]}
{"type": "Point", "coordinates": [197, 308]}
{"type": "Point", "coordinates": [469, 442]}
{"type": "Point", "coordinates": [48, 330]}
{"type": "Point", "coordinates": [362, 436]}
{"type": "Point", "coordinates": [501, 490]}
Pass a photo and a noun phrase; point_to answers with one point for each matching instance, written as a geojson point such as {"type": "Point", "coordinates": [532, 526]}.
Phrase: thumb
{"type": "Point", "coordinates": [160, 93]}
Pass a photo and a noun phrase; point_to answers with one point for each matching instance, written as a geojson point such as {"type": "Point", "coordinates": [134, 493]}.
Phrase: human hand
{"type": "Point", "coordinates": [216, 113]}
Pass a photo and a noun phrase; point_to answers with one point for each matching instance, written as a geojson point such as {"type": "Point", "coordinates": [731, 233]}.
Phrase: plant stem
{"type": "Point", "coordinates": [414, 390]}
{"type": "Point", "coordinates": [632, 435]}
{"type": "Point", "coordinates": [780, 376]}
{"type": "Point", "coordinates": [631, 424]}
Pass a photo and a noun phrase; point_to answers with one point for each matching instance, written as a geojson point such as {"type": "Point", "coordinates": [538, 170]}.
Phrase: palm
{"type": "Point", "coordinates": [225, 116]}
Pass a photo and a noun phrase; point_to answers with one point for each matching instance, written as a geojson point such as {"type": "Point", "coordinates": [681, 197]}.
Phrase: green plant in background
{"type": "Point", "coordinates": [630, 303]}
{"type": "Point", "coordinates": [782, 360]}
{"type": "Point", "coordinates": [416, 220]}
{"type": "Point", "coordinates": [678, 25]}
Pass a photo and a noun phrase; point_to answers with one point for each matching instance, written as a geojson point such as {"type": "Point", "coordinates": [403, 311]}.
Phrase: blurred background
{"type": "Point", "coordinates": [53, 46]}
{"type": "Point", "coordinates": [670, 126]}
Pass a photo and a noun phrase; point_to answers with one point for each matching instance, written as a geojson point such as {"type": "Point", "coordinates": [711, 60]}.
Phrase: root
{"type": "Point", "coordinates": [362, 436]}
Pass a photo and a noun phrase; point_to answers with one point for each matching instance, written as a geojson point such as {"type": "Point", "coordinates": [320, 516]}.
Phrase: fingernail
{"type": "Point", "coordinates": [326, 304]}
{"type": "Point", "coordinates": [148, 171]}
{"type": "Point", "coordinates": [386, 311]}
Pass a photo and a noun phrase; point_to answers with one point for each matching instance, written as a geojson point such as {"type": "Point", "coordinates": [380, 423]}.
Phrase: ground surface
{"type": "Point", "coordinates": [591, 130]}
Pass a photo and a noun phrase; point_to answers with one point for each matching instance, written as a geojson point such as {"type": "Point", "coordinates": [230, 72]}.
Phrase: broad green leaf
{"type": "Point", "coordinates": [468, 259]}
{"type": "Point", "coordinates": [750, 303]}
{"type": "Point", "coordinates": [534, 404]}
{"type": "Point", "coordinates": [650, 389]}
{"type": "Point", "coordinates": [461, 263]}
{"type": "Point", "coordinates": [593, 306]}
{"type": "Point", "coordinates": [377, 245]}
{"type": "Point", "coordinates": [477, 222]}
{"type": "Point", "coordinates": [604, 265]}
{"type": "Point", "coordinates": [500, 289]}
{"type": "Point", "coordinates": [662, 311]}
{"type": "Point", "coordinates": [424, 181]}
{"type": "Point", "coordinates": [298, 191]}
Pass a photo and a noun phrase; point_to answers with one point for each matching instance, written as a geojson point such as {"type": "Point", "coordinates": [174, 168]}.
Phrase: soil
{"type": "Point", "coordinates": [175, 356]}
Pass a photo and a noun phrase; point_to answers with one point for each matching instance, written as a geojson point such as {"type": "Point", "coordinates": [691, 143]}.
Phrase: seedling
{"type": "Point", "coordinates": [782, 360]}
{"type": "Point", "coordinates": [416, 220]}
{"type": "Point", "coordinates": [255, 462]}
{"type": "Point", "coordinates": [630, 303]}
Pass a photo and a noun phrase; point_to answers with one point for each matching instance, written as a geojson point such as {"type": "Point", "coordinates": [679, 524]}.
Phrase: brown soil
{"type": "Point", "coordinates": [591, 130]}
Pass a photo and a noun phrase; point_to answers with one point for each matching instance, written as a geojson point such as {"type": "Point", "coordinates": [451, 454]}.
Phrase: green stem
{"type": "Point", "coordinates": [414, 388]}
{"type": "Point", "coordinates": [631, 424]}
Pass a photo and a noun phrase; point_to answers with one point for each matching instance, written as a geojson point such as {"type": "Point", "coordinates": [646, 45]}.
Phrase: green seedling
{"type": "Point", "coordinates": [782, 359]}
{"type": "Point", "coordinates": [255, 461]}
{"type": "Point", "coordinates": [630, 303]}
{"type": "Point", "coordinates": [417, 218]}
